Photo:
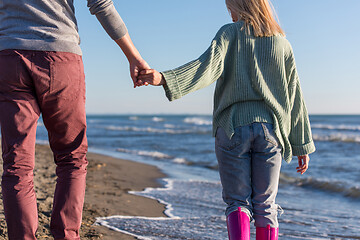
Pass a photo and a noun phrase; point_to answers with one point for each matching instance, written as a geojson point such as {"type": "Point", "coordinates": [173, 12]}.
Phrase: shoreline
{"type": "Point", "coordinates": [109, 181]}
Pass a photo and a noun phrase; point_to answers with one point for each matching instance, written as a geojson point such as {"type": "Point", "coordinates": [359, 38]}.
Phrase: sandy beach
{"type": "Point", "coordinates": [183, 147]}
{"type": "Point", "coordinates": [108, 182]}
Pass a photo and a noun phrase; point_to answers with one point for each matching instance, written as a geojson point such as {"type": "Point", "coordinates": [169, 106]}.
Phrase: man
{"type": "Point", "coordinates": [41, 72]}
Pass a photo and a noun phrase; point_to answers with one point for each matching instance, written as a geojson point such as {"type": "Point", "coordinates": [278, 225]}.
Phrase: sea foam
{"type": "Point", "coordinates": [336, 127]}
{"type": "Point", "coordinates": [337, 137]}
{"type": "Point", "coordinates": [191, 213]}
{"type": "Point", "coordinates": [197, 121]}
{"type": "Point", "coordinates": [195, 211]}
{"type": "Point", "coordinates": [170, 130]}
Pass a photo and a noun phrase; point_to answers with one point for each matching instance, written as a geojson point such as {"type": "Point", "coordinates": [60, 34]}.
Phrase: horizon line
{"type": "Point", "coordinates": [208, 114]}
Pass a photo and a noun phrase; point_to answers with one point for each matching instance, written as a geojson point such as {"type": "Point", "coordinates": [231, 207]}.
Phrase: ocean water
{"type": "Point", "coordinates": [324, 203]}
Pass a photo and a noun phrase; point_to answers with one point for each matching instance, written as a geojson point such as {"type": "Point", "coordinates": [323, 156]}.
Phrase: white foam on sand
{"type": "Point", "coordinates": [195, 211]}
{"type": "Point", "coordinates": [189, 215]}
{"type": "Point", "coordinates": [169, 185]}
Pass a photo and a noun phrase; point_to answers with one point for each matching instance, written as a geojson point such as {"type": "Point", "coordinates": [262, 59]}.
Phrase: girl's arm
{"type": "Point", "coordinates": [300, 135]}
{"type": "Point", "coordinates": [194, 75]}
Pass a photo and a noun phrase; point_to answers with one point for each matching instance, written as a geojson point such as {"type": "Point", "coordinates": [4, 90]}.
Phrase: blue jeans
{"type": "Point", "coordinates": [249, 166]}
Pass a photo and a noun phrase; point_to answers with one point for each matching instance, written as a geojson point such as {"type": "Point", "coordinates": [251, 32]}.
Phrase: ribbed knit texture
{"type": "Point", "coordinates": [50, 25]}
{"type": "Point", "coordinates": [257, 81]}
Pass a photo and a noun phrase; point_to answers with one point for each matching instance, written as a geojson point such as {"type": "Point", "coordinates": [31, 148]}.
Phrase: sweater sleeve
{"type": "Point", "coordinates": [109, 18]}
{"type": "Point", "coordinates": [198, 73]}
{"type": "Point", "coordinates": [300, 136]}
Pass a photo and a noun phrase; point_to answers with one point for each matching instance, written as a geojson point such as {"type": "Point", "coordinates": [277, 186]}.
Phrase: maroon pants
{"type": "Point", "coordinates": [51, 84]}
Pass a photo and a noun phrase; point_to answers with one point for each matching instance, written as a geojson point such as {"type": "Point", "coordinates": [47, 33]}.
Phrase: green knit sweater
{"type": "Point", "coordinates": [257, 81]}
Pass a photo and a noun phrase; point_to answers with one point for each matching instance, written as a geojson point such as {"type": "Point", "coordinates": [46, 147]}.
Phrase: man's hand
{"type": "Point", "coordinates": [135, 60]}
{"type": "Point", "coordinates": [135, 67]}
{"type": "Point", "coordinates": [151, 76]}
{"type": "Point", "coordinates": [303, 164]}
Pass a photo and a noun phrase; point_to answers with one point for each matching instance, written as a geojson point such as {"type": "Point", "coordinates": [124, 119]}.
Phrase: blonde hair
{"type": "Point", "coordinates": [257, 13]}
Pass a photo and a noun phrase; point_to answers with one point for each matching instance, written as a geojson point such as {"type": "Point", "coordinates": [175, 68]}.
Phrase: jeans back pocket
{"type": "Point", "coordinates": [269, 133]}
{"type": "Point", "coordinates": [223, 141]}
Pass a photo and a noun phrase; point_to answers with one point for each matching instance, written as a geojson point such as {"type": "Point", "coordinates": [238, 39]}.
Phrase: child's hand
{"type": "Point", "coordinates": [303, 164]}
{"type": "Point", "coordinates": [150, 76]}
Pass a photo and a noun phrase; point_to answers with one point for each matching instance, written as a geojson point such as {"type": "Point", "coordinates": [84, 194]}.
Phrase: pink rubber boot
{"type": "Point", "coordinates": [238, 225]}
{"type": "Point", "coordinates": [267, 233]}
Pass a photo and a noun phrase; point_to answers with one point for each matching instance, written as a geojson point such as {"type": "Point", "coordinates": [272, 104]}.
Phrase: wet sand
{"type": "Point", "coordinates": [108, 182]}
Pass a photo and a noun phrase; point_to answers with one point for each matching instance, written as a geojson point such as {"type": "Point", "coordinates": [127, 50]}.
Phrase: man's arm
{"type": "Point", "coordinates": [111, 21]}
{"type": "Point", "coordinates": [108, 17]}
{"type": "Point", "coordinates": [132, 54]}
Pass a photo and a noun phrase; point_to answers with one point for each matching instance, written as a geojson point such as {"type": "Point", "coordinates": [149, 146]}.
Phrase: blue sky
{"type": "Point", "coordinates": [325, 35]}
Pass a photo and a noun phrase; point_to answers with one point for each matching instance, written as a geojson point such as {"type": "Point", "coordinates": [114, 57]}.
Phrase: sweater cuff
{"type": "Point", "coordinates": [303, 149]}
{"type": "Point", "coordinates": [171, 87]}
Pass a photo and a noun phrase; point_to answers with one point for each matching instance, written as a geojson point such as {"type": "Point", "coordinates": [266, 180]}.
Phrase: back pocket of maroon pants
{"type": "Point", "coordinates": [65, 79]}
{"type": "Point", "coordinates": [9, 73]}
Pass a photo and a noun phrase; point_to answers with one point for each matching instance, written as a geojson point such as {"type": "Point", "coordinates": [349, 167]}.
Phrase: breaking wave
{"type": "Point", "coordinates": [336, 127]}
{"type": "Point", "coordinates": [158, 130]}
{"type": "Point", "coordinates": [197, 121]}
{"type": "Point", "coordinates": [337, 137]}
{"type": "Point", "coordinates": [329, 186]}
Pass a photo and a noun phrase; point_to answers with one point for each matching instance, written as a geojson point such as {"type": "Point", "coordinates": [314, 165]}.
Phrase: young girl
{"type": "Point", "coordinates": [259, 113]}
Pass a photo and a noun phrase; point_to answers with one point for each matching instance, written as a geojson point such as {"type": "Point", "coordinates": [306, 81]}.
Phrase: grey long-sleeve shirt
{"type": "Point", "coordinates": [50, 25]}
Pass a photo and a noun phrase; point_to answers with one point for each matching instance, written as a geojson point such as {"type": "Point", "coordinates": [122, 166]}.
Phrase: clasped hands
{"type": "Point", "coordinates": [149, 76]}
